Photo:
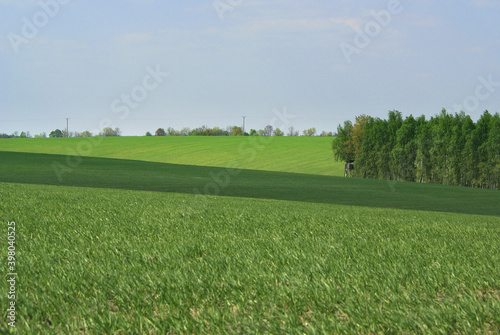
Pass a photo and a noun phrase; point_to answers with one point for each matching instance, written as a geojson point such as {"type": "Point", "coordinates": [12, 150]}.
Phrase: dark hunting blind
{"type": "Point", "coordinates": [349, 166]}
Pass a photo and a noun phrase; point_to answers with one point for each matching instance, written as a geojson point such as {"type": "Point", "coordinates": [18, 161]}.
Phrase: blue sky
{"type": "Point", "coordinates": [248, 58]}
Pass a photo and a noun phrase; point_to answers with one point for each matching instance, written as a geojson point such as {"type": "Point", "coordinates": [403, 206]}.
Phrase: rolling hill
{"type": "Point", "coordinates": [222, 235]}
{"type": "Point", "coordinates": [312, 155]}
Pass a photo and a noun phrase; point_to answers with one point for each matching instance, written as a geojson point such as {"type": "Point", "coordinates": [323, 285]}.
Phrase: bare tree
{"type": "Point", "coordinates": [292, 132]}
{"type": "Point", "coordinates": [268, 131]}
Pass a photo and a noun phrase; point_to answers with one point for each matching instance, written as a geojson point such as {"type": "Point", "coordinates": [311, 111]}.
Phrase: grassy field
{"type": "Point", "coordinates": [162, 177]}
{"type": "Point", "coordinates": [311, 155]}
{"type": "Point", "coordinates": [111, 261]}
{"type": "Point", "coordinates": [107, 245]}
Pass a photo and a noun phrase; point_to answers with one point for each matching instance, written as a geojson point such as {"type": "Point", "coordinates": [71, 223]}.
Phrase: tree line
{"type": "Point", "coordinates": [105, 132]}
{"type": "Point", "coordinates": [200, 131]}
{"type": "Point", "coordinates": [236, 131]}
{"type": "Point", "coordinates": [446, 149]}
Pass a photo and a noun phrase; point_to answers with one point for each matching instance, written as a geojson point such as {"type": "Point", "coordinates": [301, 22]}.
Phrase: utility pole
{"type": "Point", "coordinates": [67, 127]}
{"type": "Point", "coordinates": [243, 124]}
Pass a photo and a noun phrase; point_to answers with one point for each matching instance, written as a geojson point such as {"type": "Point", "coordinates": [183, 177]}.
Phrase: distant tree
{"type": "Point", "coordinates": [172, 132]}
{"type": "Point", "coordinates": [85, 133]}
{"type": "Point", "coordinates": [278, 132]}
{"type": "Point", "coordinates": [200, 131]}
{"type": "Point", "coordinates": [309, 132]}
{"type": "Point", "coordinates": [253, 132]}
{"type": "Point", "coordinates": [268, 130]}
{"type": "Point", "coordinates": [160, 132]}
{"type": "Point", "coordinates": [25, 134]}
{"type": "Point", "coordinates": [3, 135]}
{"type": "Point", "coordinates": [326, 134]}
{"type": "Point", "coordinates": [109, 132]}
{"type": "Point", "coordinates": [216, 131]}
{"type": "Point", "coordinates": [56, 133]}
{"type": "Point", "coordinates": [41, 135]}
{"type": "Point", "coordinates": [292, 132]}
{"type": "Point", "coordinates": [206, 131]}
{"type": "Point", "coordinates": [15, 134]}
{"type": "Point", "coordinates": [148, 134]}
{"type": "Point", "coordinates": [236, 131]}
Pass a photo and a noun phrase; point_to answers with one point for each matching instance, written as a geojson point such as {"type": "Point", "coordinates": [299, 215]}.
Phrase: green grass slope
{"type": "Point", "coordinates": [102, 261]}
{"type": "Point", "coordinates": [161, 177]}
{"type": "Point", "coordinates": [311, 155]}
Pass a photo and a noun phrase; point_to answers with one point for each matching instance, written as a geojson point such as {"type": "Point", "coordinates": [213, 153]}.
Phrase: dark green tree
{"type": "Point", "coordinates": [405, 150]}
{"type": "Point", "coordinates": [494, 151]}
{"type": "Point", "coordinates": [342, 145]}
{"type": "Point", "coordinates": [56, 133]}
{"type": "Point", "coordinates": [160, 132]}
{"type": "Point", "coordinates": [393, 124]}
{"type": "Point", "coordinates": [484, 166]}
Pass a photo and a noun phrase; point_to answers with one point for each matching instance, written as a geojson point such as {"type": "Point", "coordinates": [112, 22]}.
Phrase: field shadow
{"type": "Point", "coordinates": [46, 169]}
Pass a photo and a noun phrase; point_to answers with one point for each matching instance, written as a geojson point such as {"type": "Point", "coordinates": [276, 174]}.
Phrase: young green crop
{"type": "Point", "coordinates": [117, 261]}
{"type": "Point", "coordinates": [312, 155]}
{"type": "Point", "coordinates": [161, 177]}
{"type": "Point", "coordinates": [300, 253]}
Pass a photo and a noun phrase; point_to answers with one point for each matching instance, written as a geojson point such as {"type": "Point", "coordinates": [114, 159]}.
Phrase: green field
{"type": "Point", "coordinates": [162, 177]}
{"type": "Point", "coordinates": [286, 154]}
{"type": "Point", "coordinates": [106, 244]}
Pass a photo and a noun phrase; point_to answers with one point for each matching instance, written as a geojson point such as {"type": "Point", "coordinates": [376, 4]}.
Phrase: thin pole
{"type": "Point", "coordinates": [244, 124]}
{"type": "Point", "coordinates": [67, 127]}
